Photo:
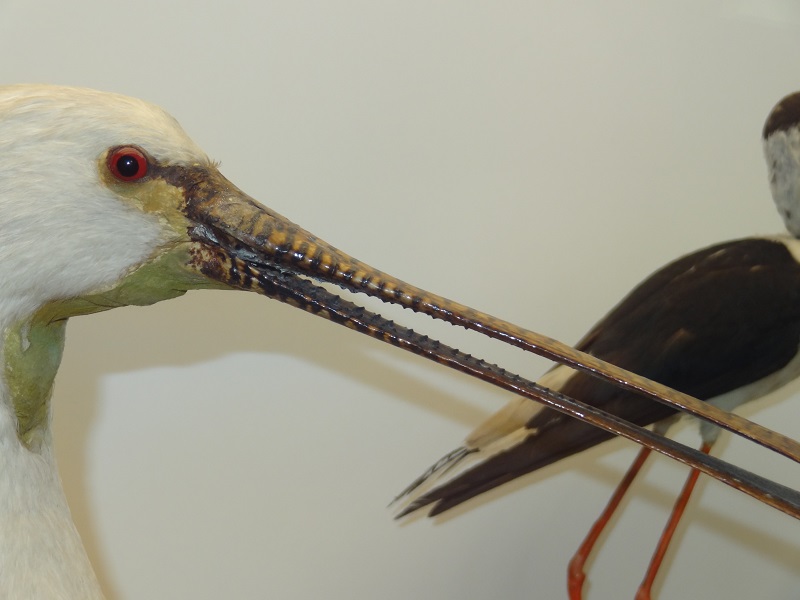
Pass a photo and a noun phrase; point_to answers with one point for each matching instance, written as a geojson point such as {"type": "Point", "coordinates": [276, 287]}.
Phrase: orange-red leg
{"type": "Point", "coordinates": [678, 509]}
{"type": "Point", "coordinates": [575, 572]}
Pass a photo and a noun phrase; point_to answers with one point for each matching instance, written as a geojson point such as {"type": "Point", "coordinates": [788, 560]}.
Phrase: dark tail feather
{"type": "Point", "coordinates": [537, 451]}
{"type": "Point", "coordinates": [439, 468]}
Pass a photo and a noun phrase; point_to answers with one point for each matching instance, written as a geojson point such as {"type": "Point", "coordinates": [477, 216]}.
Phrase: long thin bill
{"type": "Point", "coordinates": [261, 237]}
{"type": "Point", "coordinates": [304, 294]}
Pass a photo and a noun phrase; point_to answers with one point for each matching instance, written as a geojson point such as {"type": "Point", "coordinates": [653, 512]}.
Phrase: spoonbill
{"type": "Point", "coordinates": [105, 202]}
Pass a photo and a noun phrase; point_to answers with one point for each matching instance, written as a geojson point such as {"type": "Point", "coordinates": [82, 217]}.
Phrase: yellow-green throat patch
{"type": "Point", "coordinates": [32, 347]}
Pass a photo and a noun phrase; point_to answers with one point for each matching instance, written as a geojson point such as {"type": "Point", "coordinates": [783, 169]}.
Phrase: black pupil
{"type": "Point", "coordinates": [128, 165]}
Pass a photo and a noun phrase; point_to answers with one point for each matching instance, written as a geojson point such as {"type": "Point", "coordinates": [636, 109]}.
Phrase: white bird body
{"type": "Point", "coordinates": [41, 554]}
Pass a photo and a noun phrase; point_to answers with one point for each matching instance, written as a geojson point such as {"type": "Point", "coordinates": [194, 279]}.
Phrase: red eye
{"type": "Point", "coordinates": [127, 163]}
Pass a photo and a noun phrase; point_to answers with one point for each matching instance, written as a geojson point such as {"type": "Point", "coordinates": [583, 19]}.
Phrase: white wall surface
{"type": "Point", "coordinates": [531, 159]}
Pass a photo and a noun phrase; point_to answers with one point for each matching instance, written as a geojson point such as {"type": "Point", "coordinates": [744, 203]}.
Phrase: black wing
{"type": "Point", "coordinates": [706, 324]}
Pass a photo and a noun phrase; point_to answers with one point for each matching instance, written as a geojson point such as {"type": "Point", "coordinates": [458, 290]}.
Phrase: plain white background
{"type": "Point", "coordinates": [531, 159]}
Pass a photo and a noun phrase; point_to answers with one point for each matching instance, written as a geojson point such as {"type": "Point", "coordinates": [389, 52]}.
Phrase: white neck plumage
{"type": "Point", "coordinates": [42, 556]}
